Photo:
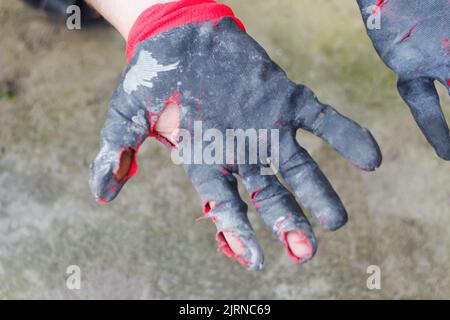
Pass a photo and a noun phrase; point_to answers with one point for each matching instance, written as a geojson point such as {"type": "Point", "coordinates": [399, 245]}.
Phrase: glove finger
{"type": "Point", "coordinates": [218, 190]}
{"type": "Point", "coordinates": [423, 100]}
{"type": "Point", "coordinates": [280, 212]}
{"type": "Point", "coordinates": [125, 129]}
{"type": "Point", "coordinates": [310, 185]}
{"type": "Point", "coordinates": [354, 143]}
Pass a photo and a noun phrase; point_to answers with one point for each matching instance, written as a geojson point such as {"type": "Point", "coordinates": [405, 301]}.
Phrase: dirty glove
{"type": "Point", "coordinates": [413, 39]}
{"type": "Point", "coordinates": [196, 54]}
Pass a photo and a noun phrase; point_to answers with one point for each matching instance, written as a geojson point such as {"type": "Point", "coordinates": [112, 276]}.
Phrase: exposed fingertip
{"type": "Point", "coordinates": [298, 246]}
{"type": "Point", "coordinates": [249, 257]}
{"type": "Point", "coordinates": [235, 243]}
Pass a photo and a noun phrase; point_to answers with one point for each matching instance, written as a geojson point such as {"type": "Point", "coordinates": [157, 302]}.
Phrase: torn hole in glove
{"type": "Point", "coordinates": [165, 129]}
{"type": "Point", "coordinates": [225, 247]}
{"type": "Point", "coordinates": [297, 245]}
{"type": "Point", "coordinates": [230, 244]}
{"type": "Point", "coordinates": [167, 126]}
{"type": "Point", "coordinates": [128, 165]}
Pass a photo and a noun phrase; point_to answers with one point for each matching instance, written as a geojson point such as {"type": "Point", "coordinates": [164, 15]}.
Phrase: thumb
{"type": "Point", "coordinates": [125, 129]}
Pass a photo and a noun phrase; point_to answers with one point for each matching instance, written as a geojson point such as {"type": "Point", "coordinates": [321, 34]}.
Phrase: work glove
{"type": "Point", "coordinates": [197, 56]}
{"type": "Point", "coordinates": [413, 39]}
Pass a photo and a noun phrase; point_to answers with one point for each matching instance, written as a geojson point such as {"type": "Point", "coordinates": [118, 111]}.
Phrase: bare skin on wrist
{"type": "Point", "coordinates": [122, 16]}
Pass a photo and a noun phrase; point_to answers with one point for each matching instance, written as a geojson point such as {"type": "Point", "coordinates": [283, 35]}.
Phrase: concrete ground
{"type": "Point", "coordinates": [54, 89]}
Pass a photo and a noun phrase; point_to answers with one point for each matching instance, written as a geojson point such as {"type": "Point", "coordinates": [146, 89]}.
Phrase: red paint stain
{"type": "Point", "coordinates": [103, 200]}
{"type": "Point", "coordinates": [132, 171]}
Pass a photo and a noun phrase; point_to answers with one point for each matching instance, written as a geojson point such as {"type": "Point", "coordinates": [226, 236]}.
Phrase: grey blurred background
{"type": "Point", "coordinates": [55, 85]}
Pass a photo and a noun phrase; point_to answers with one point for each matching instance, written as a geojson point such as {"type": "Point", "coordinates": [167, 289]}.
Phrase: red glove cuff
{"type": "Point", "coordinates": [166, 16]}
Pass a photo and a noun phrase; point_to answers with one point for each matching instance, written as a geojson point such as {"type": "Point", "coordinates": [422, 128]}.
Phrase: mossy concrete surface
{"type": "Point", "coordinates": [54, 90]}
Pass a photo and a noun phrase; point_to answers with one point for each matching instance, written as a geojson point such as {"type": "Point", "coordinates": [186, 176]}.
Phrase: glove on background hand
{"type": "Point", "coordinates": [414, 41]}
{"type": "Point", "coordinates": [196, 54]}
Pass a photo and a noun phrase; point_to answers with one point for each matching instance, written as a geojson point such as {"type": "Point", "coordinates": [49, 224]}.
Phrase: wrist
{"type": "Point", "coordinates": [162, 17]}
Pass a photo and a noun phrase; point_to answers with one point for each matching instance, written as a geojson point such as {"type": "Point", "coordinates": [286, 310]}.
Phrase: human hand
{"type": "Point", "coordinates": [208, 70]}
{"type": "Point", "coordinates": [413, 39]}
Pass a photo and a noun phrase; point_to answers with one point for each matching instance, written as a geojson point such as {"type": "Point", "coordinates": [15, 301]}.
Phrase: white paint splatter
{"type": "Point", "coordinates": [144, 71]}
{"type": "Point", "coordinates": [139, 123]}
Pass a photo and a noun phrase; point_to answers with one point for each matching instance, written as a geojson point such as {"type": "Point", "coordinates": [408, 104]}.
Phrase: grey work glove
{"type": "Point", "coordinates": [413, 39]}
{"type": "Point", "coordinates": [219, 76]}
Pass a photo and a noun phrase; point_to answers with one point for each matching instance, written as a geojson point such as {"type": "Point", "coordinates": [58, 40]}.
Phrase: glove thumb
{"type": "Point", "coordinates": [125, 129]}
